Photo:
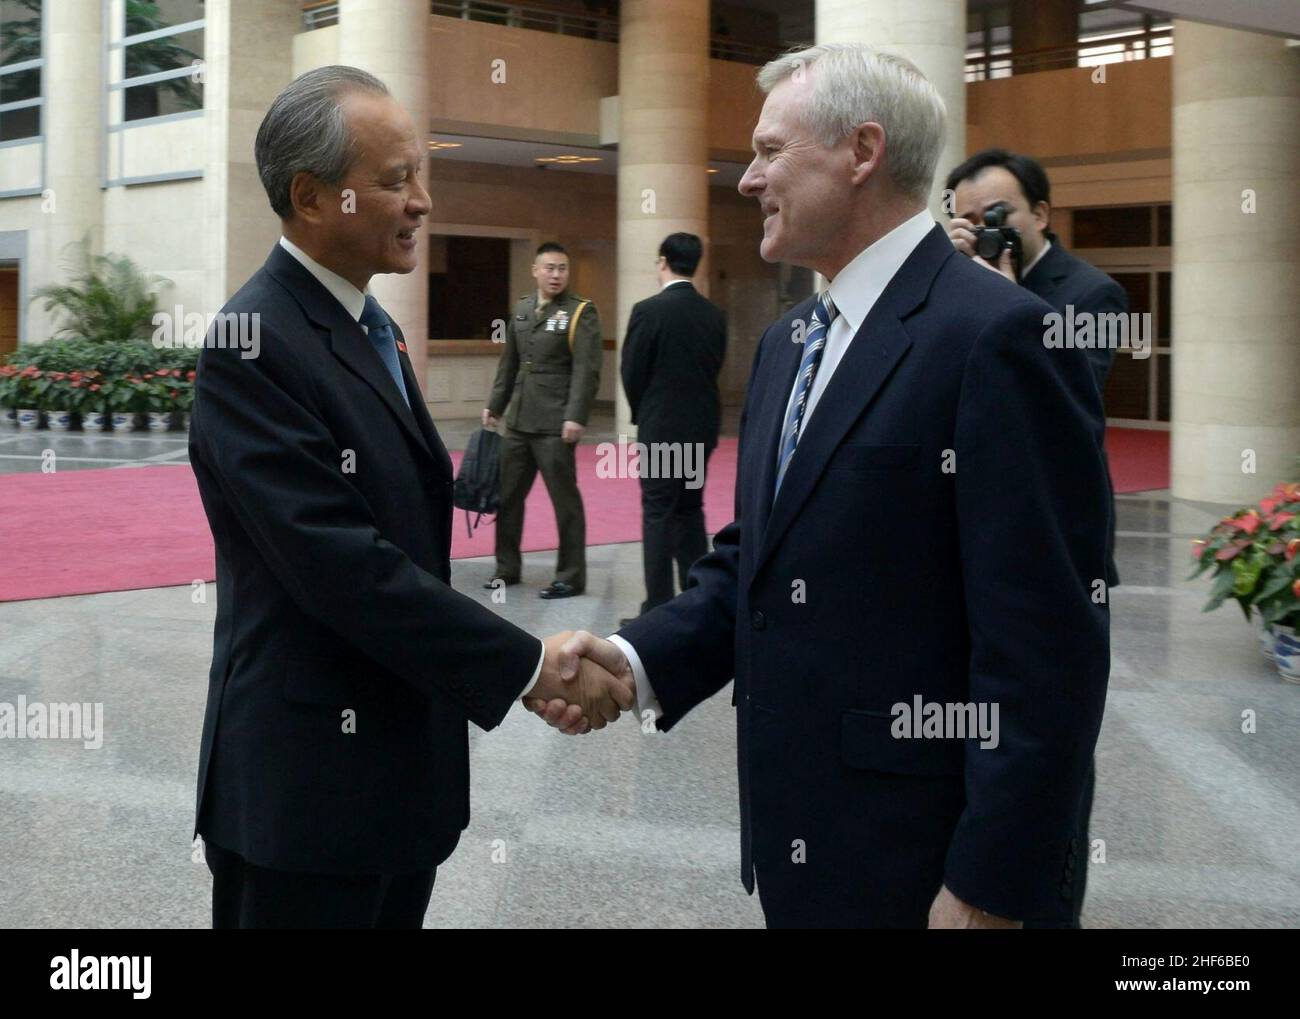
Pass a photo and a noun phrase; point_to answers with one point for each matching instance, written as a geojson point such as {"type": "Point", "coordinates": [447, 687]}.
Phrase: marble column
{"type": "Point", "coordinates": [663, 151]}
{"type": "Point", "coordinates": [391, 39]}
{"type": "Point", "coordinates": [929, 33]}
{"type": "Point", "coordinates": [71, 206]}
{"type": "Point", "coordinates": [1236, 259]}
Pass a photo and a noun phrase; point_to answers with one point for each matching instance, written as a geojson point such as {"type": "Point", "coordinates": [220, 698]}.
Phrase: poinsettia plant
{"type": "Point", "coordinates": [86, 392]}
{"type": "Point", "coordinates": [1253, 557]}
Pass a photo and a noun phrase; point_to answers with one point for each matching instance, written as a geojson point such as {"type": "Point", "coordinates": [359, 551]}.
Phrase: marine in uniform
{"type": "Point", "coordinates": [545, 384]}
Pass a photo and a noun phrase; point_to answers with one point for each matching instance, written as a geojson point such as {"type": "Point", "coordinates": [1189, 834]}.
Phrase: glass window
{"type": "Point", "coordinates": [1127, 387]}
{"type": "Point", "coordinates": [20, 31]}
{"type": "Point", "coordinates": [152, 53]}
{"type": "Point", "coordinates": [1119, 227]}
{"type": "Point", "coordinates": [1164, 308]}
{"type": "Point", "coordinates": [20, 45]}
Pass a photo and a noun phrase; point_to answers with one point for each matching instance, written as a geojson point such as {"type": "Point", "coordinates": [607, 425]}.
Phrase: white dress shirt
{"type": "Point", "coordinates": [854, 292]}
{"type": "Point", "coordinates": [1037, 258]}
{"type": "Point", "coordinates": [354, 303]}
{"type": "Point", "coordinates": [671, 282]}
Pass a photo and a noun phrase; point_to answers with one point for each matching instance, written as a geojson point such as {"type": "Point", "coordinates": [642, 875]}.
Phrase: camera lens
{"type": "Point", "coordinates": [988, 244]}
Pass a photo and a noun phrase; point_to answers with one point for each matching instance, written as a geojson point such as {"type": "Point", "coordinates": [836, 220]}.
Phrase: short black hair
{"type": "Point", "coordinates": [1026, 170]}
{"type": "Point", "coordinates": [549, 246]}
{"type": "Point", "coordinates": [682, 252]}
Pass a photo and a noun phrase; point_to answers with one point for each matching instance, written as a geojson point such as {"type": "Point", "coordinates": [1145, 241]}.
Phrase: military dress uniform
{"type": "Point", "coordinates": [540, 384]}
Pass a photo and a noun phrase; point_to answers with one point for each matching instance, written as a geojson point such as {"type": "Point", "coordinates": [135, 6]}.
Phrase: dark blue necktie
{"type": "Point", "coordinates": [824, 313]}
{"type": "Point", "coordinates": [379, 330]}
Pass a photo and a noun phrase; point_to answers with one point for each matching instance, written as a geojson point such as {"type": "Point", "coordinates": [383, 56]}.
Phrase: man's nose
{"type": "Point", "coordinates": [420, 203]}
{"type": "Point", "coordinates": [749, 185]}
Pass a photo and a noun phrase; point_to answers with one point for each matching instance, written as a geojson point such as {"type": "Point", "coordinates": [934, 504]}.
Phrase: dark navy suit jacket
{"type": "Point", "coordinates": [330, 507]}
{"type": "Point", "coordinates": [939, 533]}
{"type": "Point", "coordinates": [1062, 279]}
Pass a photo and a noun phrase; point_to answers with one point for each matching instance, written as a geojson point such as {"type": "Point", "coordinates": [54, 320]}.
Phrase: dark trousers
{"type": "Point", "coordinates": [246, 896]}
{"type": "Point", "coordinates": [672, 531]}
{"type": "Point", "coordinates": [523, 454]}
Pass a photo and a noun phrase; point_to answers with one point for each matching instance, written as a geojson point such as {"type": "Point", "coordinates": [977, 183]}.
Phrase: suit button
{"type": "Point", "coordinates": [758, 619]}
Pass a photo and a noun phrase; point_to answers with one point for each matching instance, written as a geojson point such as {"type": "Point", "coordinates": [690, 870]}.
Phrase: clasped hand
{"type": "Point", "coordinates": [585, 683]}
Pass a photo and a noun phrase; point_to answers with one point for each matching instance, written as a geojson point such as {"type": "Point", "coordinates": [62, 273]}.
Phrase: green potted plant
{"type": "Point", "coordinates": [88, 399]}
{"type": "Point", "coordinates": [9, 391]}
{"type": "Point", "coordinates": [28, 393]}
{"type": "Point", "coordinates": [157, 401]}
{"type": "Point", "coordinates": [124, 400]}
{"type": "Point", "coordinates": [56, 401]}
{"type": "Point", "coordinates": [1252, 557]}
{"type": "Point", "coordinates": [107, 298]}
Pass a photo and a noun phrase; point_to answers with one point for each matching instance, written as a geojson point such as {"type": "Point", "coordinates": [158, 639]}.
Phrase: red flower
{"type": "Point", "coordinates": [173, 394]}
{"type": "Point", "coordinates": [148, 375]}
{"type": "Point", "coordinates": [1295, 589]}
{"type": "Point", "coordinates": [76, 385]}
{"type": "Point", "coordinates": [1280, 520]}
{"type": "Point", "coordinates": [94, 388]}
{"type": "Point", "coordinates": [1269, 505]}
{"type": "Point", "coordinates": [74, 375]}
{"type": "Point", "coordinates": [1292, 547]}
{"type": "Point", "coordinates": [1199, 545]}
{"type": "Point", "coordinates": [189, 375]}
{"type": "Point", "coordinates": [1231, 551]}
{"type": "Point", "coordinates": [1249, 522]}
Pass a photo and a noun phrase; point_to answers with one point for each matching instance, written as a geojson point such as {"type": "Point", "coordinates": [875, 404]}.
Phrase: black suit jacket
{"type": "Point", "coordinates": [1060, 278]}
{"type": "Point", "coordinates": [330, 507]}
{"type": "Point", "coordinates": [672, 354]}
{"type": "Point", "coordinates": [937, 535]}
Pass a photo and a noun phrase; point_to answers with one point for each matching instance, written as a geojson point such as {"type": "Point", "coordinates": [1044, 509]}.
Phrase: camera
{"type": "Point", "coordinates": [993, 238]}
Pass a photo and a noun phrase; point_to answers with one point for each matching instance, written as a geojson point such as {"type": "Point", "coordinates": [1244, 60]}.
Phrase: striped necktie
{"type": "Point", "coordinates": [379, 330]}
{"type": "Point", "coordinates": [814, 344]}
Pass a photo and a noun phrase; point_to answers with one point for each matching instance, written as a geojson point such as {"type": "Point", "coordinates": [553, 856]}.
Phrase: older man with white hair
{"type": "Point", "coordinates": [912, 596]}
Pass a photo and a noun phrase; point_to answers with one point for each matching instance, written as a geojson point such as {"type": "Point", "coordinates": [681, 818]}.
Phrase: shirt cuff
{"type": "Point", "coordinates": [645, 693]}
{"type": "Point", "coordinates": [537, 672]}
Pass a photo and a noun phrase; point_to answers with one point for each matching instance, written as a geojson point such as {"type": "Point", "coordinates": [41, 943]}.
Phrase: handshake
{"type": "Point", "coordinates": [585, 683]}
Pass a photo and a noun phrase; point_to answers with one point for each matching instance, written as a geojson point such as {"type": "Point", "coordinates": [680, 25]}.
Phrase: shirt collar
{"type": "Point", "coordinates": [1037, 258]}
{"type": "Point", "coordinates": [860, 283]}
{"type": "Point", "coordinates": [671, 282]}
{"type": "Point", "coordinates": [352, 299]}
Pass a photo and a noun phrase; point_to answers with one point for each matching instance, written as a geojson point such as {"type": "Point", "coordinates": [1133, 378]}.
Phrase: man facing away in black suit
{"type": "Point", "coordinates": [334, 764]}
{"type": "Point", "coordinates": [1072, 287]}
{"type": "Point", "coordinates": [905, 598]}
{"type": "Point", "coordinates": [672, 354]}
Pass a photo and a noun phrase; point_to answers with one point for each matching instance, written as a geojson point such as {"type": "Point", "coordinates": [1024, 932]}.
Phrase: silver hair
{"type": "Point", "coordinates": [305, 130]}
{"type": "Point", "coordinates": [856, 84]}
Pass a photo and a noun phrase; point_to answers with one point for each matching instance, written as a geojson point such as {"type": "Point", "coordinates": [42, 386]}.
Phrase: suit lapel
{"type": "Point", "coordinates": [778, 381]}
{"type": "Point", "coordinates": [1046, 276]}
{"type": "Point", "coordinates": [877, 348]}
{"type": "Point", "coordinates": [347, 340]}
{"type": "Point", "coordinates": [433, 441]}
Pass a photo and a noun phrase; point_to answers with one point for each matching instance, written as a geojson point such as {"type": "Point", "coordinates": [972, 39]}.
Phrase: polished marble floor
{"type": "Point", "coordinates": [1200, 820]}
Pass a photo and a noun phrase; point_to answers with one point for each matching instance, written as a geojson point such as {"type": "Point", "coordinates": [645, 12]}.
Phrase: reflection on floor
{"type": "Point", "coordinates": [1199, 820]}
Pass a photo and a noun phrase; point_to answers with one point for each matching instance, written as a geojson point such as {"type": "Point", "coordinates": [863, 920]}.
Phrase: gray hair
{"type": "Point", "coordinates": [305, 130]}
{"type": "Point", "coordinates": [856, 84]}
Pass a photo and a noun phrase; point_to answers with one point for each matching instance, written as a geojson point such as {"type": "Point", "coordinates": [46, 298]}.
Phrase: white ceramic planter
{"type": "Point", "coordinates": [58, 420]}
{"type": "Point", "coordinates": [29, 418]}
{"type": "Point", "coordinates": [159, 420]}
{"type": "Point", "coordinates": [123, 422]}
{"type": "Point", "coordinates": [93, 421]}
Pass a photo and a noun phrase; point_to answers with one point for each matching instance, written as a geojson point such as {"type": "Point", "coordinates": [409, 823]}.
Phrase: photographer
{"type": "Point", "coordinates": [1001, 205]}
{"type": "Point", "coordinates": [1016, 186]}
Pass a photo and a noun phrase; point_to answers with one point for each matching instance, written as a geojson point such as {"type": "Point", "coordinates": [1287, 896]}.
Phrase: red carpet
{"type": "Point", "coordinates": [1139, 459]}
{"type": "Point", "coordinates": [119, 529]}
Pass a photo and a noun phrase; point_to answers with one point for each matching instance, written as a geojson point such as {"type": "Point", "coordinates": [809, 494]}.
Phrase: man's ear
{"type": "Point", "coordinates": [306, 196]}
{"type": "Point", "coordinates": [1042, 216]}
{"type": "Point", "coordinates": [868, 150]}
